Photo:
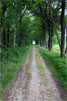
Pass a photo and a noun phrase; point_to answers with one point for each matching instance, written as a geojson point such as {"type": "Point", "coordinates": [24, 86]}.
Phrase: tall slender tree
{"type": "Point", "coordinates": [62, 28]}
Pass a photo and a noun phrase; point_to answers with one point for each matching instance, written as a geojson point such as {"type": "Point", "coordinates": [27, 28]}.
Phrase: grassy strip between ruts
{"type": "Point", "coordinates": [10, 61]}
{"type": "Point", "coordinates": [42, 72]}
{"type": "Point", "coordinates": [28, 65]}
{"type": "Point", "coordinates": [58, 65]}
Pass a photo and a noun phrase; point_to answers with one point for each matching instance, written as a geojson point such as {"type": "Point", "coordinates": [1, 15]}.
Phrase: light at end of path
{"type": "Point", "coordinates": [33, 42]}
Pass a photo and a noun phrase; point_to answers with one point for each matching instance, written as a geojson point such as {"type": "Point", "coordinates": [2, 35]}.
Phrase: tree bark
{"type": "Point", "coordinates": [0, 37]}
{"type": "Point", "coordinates": [66, 41]}
{"type": "Point", "coordinates": [50, 40]}
{"type": "Point", "coordinates": [62, 29]}
{"type": "Point", "coordinates": [50, 27]}
{"type": "Point", "coordinates": [44, 39]}
{"type": "Point", "coordinates": [4, 43]}
{"type": "Point", "coordinates": [59, 42]}
{"type": "Point", "coordinates": [2, 22]}
{"type": "Point", "coordinates": [15, 35]}
{"type": "Point", "coordinates": [44, 35]}
{"type": "Point", "coordinates": [8, 35]}
{"type": "Point", "coordinates": [40, 40]}
{"type": "Point", "coordinates": [20, 34]}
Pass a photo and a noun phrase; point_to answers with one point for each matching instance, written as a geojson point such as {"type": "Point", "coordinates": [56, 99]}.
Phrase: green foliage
{"type": "Point", "coordinates": [32, 28]}
{"type": "Point", "coordinates": [56, 48]}
{"type": "Point", "coordinates": [58, 65]}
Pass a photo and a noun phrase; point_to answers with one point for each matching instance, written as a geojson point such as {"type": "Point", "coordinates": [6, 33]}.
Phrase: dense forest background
{"type": "Point", "coordinates": [23, 21]}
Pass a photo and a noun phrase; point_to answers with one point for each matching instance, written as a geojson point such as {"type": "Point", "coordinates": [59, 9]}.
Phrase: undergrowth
{"type": "Point", "coordinates": [11, 59]}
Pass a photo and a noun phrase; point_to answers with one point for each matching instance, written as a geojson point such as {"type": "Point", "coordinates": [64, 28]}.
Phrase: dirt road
{"type": "Point", "coordinates": [29, 86]}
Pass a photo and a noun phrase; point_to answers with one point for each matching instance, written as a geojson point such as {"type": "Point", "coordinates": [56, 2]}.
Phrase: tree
{"type": "Point", "coordinates": [62, 28]}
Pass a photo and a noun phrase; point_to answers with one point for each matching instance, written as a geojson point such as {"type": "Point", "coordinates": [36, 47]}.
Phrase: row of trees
{"type": "Point", "coordinates": [52, 13]}
{"type": "Point", "coordinates": [16, 26]}
{"type": "Point", "coordinates": [12, 12]}
{"type": "Point", "coordinates": [22, 21]}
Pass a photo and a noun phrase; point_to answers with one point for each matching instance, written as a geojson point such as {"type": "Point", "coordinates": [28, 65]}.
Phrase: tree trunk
{"type": "Point", "coordinates": [50, 40]}
{"type": "Point", "coordinates": [62, 29]}
{"type": "Point", "coordinates": [20, 34]}
{"type": "Point", "coordinates": [50, 27]}
{"type": "Point", "coordinates": [14, 39]}
{"type": "Point", "coordinates": [2, 21]}
{"type": "Point", "coordinates": [44, 39]}
{"type": "Point", "coordinates": [4, 43]}
{"type": "Point", "coordinates": [8, 36]}
{"type": "Point", "coordinates": [59, 42]}
{"type": "Point", "coordinates": [15, 36]}
{"type": "Point", "coordinates": [0, 38]}
{"type": "Point", "coordinates": [44, 35]}
{"type": "Point", "coordinates": [66, 41]}
{"type": "Point", "coordinates": [0, 32]}
{"type": "Point", "coordinates": [40, 40]}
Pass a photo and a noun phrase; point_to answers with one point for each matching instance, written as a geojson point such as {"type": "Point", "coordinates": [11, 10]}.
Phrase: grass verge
{"type": "Point", "coordinates": [57, 65]}
{"type": "Point", "coordinates": [10, 61]}
{"type": "Point", "coordinates": [42, 73]}
{"type": "Point", "coordinates": [28, 65]}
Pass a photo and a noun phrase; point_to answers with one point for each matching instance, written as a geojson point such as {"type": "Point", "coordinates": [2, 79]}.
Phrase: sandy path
{"type": "Point", "coordinates": [30, 87]}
